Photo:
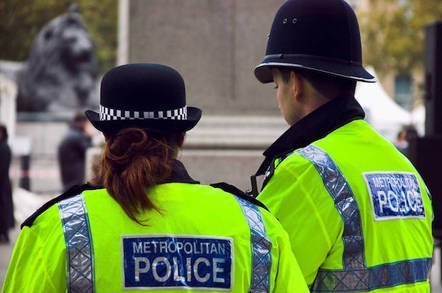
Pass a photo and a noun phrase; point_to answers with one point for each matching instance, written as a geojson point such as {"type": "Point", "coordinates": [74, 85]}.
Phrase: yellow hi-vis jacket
{"type": "Point", "coordinates": [202, 239]}
{"type": "Point", "coordinates": [357, 213]}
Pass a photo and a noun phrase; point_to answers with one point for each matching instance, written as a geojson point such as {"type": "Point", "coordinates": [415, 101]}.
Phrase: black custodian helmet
{"type": "Point", "coordinates": [317, 35]}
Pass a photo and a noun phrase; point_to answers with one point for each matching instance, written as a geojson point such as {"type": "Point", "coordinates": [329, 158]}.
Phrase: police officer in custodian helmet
{"type": "Point", "coordinates": [146, 224]}
{"type": "Point", "coordinates": [357, 212]}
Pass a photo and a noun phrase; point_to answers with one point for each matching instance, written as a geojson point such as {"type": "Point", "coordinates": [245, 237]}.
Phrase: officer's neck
{"type": "Point", "coordinates": [309, 103]}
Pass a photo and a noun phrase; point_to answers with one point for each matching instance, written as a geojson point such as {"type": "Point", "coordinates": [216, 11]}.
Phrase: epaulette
{"type": "Point", "coordinates": [239, 193]}
{"type": "Point", "coordinates": [73, 191]}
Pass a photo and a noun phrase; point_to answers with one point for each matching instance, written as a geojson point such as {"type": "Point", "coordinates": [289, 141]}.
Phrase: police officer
{"type": "Point", "coordinates": [71, 152]}
{"type": "Point", "coordinates": [357, 212]}
{"type": "Point", "coordinates": [150, 225]}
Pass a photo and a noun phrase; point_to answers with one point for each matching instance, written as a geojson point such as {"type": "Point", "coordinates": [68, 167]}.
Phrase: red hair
{"type": "Point", "coordinates": [133, 161]}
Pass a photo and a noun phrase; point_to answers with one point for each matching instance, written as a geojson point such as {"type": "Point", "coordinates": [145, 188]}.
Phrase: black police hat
{"type": "Point", "coordinates": [143, 95]}
{"type": "Point", "coordinates": [317, 35]}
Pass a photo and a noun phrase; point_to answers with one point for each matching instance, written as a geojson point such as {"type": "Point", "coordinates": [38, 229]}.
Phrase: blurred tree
{"type": "Point", "coordinates": [393, 33]}
{"type": "Point", "coordinates": [22, 20]}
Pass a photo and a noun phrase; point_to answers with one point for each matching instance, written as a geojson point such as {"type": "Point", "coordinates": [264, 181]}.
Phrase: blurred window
{"type": "Point", "coordinates": [402, 90]}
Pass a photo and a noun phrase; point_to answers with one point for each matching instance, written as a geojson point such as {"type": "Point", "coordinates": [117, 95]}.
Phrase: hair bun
{"type": "Point", "coordinates": [131, 143]}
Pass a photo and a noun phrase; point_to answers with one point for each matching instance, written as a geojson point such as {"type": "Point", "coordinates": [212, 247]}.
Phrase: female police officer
{"type": "Point", "coordinates": [151, 226]}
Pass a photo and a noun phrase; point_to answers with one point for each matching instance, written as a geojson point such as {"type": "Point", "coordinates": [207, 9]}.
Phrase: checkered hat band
{"type": "Point", "coordinates": [108, 114]}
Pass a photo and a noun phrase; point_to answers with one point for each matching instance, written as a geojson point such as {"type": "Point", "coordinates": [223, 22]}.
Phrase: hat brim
{"type": "Point", "coordinates": [156, 125]}
{"type": "Point", "coordinates": [263, 71]}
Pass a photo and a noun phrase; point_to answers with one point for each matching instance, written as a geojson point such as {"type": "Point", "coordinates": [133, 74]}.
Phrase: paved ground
{"type": "Point", "coordinates": [27, 202]}
{"type": "Point", "coordinates": [5, 252]}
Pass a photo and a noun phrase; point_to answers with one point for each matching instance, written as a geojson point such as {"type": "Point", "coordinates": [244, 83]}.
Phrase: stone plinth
{"type": "Point", "coordinates": [215, 44]}
{"type": "Point", "coordinates": [212, 166]}
{"type": "Point", "coordinates": [235, 133]}
{"type": "Point", "coordinates": [229, 148]}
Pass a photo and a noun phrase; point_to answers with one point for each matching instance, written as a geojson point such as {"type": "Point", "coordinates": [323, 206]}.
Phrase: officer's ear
{"type": "Point", "coordinates": [181, 137]}
{"type": "Point", "coordinates": [296, 83]}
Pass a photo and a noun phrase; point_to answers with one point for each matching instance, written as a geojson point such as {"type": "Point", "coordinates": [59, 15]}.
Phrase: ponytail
{"type": "Point", "coordinates": [132, 162]}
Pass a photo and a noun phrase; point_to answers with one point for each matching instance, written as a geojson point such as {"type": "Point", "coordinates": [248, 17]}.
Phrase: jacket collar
{"type": "Point", "coordinates": [314, 126]}
{"type": "Point", "coordinates": [179, 174]}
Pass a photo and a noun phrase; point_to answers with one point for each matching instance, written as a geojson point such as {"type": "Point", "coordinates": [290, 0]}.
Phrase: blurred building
{"type": "Point", "coordinates": [406, 87]}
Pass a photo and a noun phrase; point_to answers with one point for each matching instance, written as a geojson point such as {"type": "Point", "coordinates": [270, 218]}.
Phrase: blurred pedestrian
{"type": "Point", "coordinates": [358, 214]}
{"type": "Point", "coordinates": [7, 220]}
{"type": "Point", "coordinates": [401, 141]}
{"type": "Point", "coordinates": [150, 226]}
{"type": "Point", "coordinates": [72, 152]}
{"type": "Point", "coordinates": [404, 137]}
{"type": "Point", "coordinates": [412, 133]}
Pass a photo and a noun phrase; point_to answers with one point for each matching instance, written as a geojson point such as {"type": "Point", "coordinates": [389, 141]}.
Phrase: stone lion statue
{"type": "Point", "coordinates": [60, 73]}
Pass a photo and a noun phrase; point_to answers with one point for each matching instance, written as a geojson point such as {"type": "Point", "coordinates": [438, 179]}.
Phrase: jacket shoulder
{"type": "Point", "coordinates": [73, 191]}
{"type": "Point", "coordinates": [229, 188]}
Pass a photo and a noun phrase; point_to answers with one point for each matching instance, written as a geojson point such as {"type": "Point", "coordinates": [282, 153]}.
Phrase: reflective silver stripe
{"type": "Point", "coordinates": [381, 276]}
{"type": "Point", "coordinates": [355, 275]}
{"type": "Point", "coordinates": [261, 246]}
{"type": "Point", "coordinates": [340, 191]}
{"type": "Point", "coordinates": [78, 244]}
